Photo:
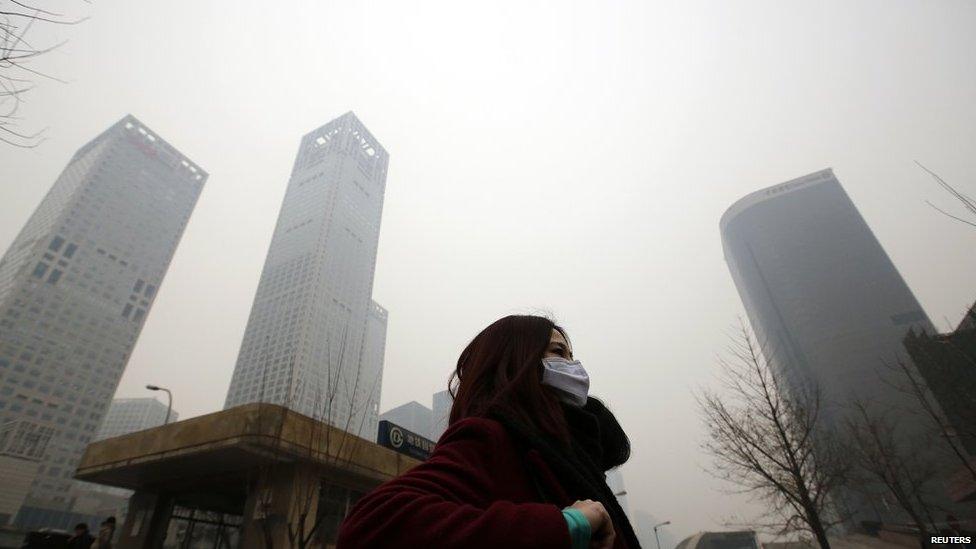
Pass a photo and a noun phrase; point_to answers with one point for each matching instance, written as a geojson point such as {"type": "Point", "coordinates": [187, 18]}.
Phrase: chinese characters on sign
{"type": "Point", "coordinates": [406, 442]}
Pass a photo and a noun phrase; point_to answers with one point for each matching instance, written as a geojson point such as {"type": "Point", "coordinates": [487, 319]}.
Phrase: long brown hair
{"type": "Point", "coordinates": [501, 371]}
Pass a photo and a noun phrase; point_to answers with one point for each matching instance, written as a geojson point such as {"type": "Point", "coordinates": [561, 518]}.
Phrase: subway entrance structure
{"type": "Point", "coordinates": [256, 475]}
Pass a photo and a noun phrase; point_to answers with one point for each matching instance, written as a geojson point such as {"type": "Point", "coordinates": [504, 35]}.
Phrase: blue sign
{"type": "Point", "coordinates": [406, 442]}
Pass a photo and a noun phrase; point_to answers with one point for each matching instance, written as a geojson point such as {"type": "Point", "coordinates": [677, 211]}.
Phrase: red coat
{"type": "Point", "coordinates": [473, 492]}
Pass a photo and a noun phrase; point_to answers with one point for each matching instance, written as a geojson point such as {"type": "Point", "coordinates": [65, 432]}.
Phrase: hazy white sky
{"type": "Point", "coordinates": [566, 156]}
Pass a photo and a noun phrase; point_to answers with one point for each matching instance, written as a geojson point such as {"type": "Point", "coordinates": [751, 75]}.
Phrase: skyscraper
{"type": "Point", "coordinates": [76, 286]}
{"type": "Point", "coordinates": [818, 288]}
{"type": "Point", "coordinates": [441, 414]}
{"type": "Point", "coordinates": [374, 349]}
{"type": "Point", "coordinates": [821, 294]}
{"type": "Point", "coordinates": [314, 340]}
{"type": "Point", "coordinates": [128, 415]}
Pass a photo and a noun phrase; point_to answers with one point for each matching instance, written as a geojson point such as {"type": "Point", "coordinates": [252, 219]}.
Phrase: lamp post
{"type": "Point", "coordinates": [656, 526]}
{"type": "Point", "coordinates": [169, 406]}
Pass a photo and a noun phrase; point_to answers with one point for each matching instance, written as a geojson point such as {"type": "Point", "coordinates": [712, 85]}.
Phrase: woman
{"type": "Point", "coordinates": [522, 464]}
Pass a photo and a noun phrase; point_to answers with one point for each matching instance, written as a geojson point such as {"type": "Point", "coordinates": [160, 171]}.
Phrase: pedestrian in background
{"type": "Point", "coordinates": [522, 463]}
{"type": "Point", "coordinates": [82, 539]}
{"type": "Point", "coordinates": [106, 533]}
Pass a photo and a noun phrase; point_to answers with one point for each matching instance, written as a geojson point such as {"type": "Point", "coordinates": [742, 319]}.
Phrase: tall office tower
{"type": "Point", "coordinates": [821, 294]}
{"type": "Point", "coordinates": [76, 286]}
{"type": "Point", "coordinates": [128, 415]}
{"type": "Point", "coordinates": [441, 414]}
{"type": "Point", "coordinates": [314, 340]}
{"type": "Point", "coordinates": [374, 351]}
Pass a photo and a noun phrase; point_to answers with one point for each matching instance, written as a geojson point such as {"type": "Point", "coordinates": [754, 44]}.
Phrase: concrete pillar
{"type": "Point", "coordinates": [146, 521]}
{"type": "Point", "coordinates": [275, 504]}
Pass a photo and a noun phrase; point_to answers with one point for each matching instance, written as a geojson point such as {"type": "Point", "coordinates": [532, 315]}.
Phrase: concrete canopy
{"type": "Point", "coordinates": [211, 459]}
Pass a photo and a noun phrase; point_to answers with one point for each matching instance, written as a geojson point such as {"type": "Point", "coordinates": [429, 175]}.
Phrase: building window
{"type": "Point", "coordinates": [127, 310]}
{"type": "Point", "coordinates": [55, 275]}
{"type": "Point", "coordinates": [56, 244]}
{"type": "Point", "coordinates": [39, 270]}
{"type": "Point", "coordinates": [70, 250]}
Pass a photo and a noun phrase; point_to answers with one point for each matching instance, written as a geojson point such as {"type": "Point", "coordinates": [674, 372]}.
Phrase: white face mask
{"type": "Point", "coordinates": [568, 378]}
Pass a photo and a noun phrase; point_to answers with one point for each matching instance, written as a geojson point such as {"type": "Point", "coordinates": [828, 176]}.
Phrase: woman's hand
{"type": "Point", "coordinates": [601, 526]}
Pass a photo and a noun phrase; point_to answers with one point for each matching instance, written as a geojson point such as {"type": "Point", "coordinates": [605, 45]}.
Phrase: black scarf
{"type": "Point", "coordinates": [597, 444]}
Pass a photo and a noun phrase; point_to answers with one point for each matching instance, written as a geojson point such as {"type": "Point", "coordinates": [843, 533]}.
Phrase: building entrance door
{"type": "Point", "coordinates": [198, 529]}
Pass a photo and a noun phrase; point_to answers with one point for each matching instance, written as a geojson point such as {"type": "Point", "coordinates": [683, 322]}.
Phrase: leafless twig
{"type": "Point", "coordinates": [17, 19]}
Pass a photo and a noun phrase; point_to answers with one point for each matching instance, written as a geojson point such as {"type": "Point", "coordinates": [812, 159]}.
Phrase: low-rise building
{"type": "Point", "coordinates": [745, 539]}
{"type": "Point", "coordinates": [413, 416]}
{"type": "Point", "coordinates": [22, 446]}
{"type": "Point", "coordinates": [242, 477]}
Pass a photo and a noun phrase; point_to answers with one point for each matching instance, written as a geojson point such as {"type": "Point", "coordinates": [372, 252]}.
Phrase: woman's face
{"type": "Point", "coordinates": [558, 346]}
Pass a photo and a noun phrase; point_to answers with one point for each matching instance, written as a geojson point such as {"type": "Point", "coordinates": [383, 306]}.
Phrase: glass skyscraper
{"type": "Point", "coordinates": [828, 307]}
{"type": "Point", "coordinates": [77, 284]}
{"type": "Point", "coordinates": [820, 292]}
{"type": "Point", "coordinates": [315, 339]}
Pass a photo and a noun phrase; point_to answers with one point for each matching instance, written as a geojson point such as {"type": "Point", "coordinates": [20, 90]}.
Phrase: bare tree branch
{"type": "Point", "coordinates": [15, 74]}
{"type": "Point", "coordinates": [901, 470]}
{"type": "Point", "coordinates": [768, 440]}
{"type": "Point", "coordinates": [965, 200]}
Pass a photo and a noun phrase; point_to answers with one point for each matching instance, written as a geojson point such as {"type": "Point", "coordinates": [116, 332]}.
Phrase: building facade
{"type": "Point", "coordinates": [615, 480]}
{"type": "Point", "coordinates": [412, 416]}
{"type": "Point", "coordinates": [314, 340]}
{"type": "Point", "coordinates": [820, 292]}
{"type": "Point", "coordinates": [743, 539]}
{"type": "Point", "coordinates": [374, 351]}
{"type": "Point", "coordinates": [947, 364]}
{"type": "Point", "coordinates": [823, 298]}
{"type": "Point", "coordinates": [249, 477]}
{"type": "Point", "coordinates": [77, 284]}
{"type": "Point", "coordinates": [128, 415]}
{"type": "Point", "coordinates": [22, 447]}
{"type": "Point", "coordinates": [442, 402]}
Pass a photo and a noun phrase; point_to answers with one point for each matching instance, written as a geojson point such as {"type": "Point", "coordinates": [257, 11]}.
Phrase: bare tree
{"type": "Point", "coordinates": [18, 49]}
{"type": "Point", "coordinates": [900, 468]}
{"type": "Point", "coordinates": [960, 389]}
{"type": "Point", "coordinates": [341, 402]}
{"type": "Point", "coordinates": [771, 442]}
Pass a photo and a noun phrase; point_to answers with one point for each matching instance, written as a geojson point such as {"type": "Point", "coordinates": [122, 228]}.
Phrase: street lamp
{"type": "Point", "coordinates": [656, 526]}
{"type": "Point", "coordinates": [169, 407]}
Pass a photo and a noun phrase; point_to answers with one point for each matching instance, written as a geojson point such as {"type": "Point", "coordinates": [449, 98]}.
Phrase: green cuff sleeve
{"type": "Point", "coordinates": [579, 528]}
